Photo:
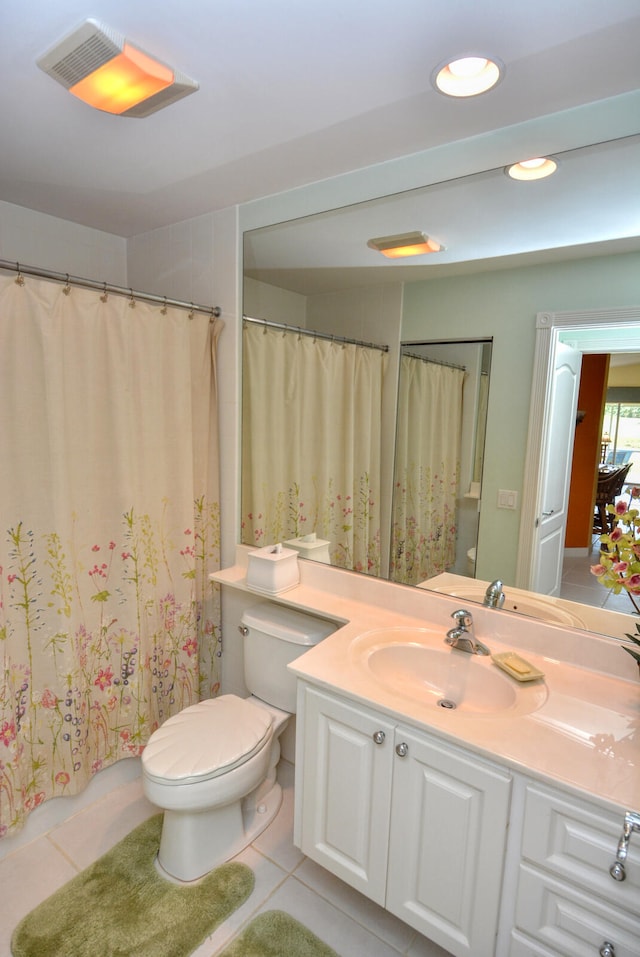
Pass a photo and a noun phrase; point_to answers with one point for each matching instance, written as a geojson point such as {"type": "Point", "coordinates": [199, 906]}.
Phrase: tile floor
{"type": "Point", "coordinates": [578, 584]}
{"type": "Point", "coordinates": [285, 879]}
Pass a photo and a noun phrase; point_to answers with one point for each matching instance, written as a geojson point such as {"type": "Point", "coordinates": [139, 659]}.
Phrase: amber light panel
{"type": "Point", "coordinates": [123, 82]}
{"type": "Point", "coordinates": [410, 244]}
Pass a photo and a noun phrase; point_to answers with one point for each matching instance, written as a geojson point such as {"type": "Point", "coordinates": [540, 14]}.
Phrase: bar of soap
{"type": "Point", "coordinates": [516, 666]}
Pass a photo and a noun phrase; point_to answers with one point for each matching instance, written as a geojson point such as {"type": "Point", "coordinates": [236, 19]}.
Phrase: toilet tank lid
{"type": "Point", "coordinates": [285, 623]}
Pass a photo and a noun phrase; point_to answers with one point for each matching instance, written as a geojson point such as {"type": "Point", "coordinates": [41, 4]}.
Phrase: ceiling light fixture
{"type": "Point", "coordinates": [467, 76]}
{"type": "Point", "coordinates": [405, 244]}
{"type": "Point", "coordinates": [102, 68]}
{"type": "Point", "coordinates": [531, 169]}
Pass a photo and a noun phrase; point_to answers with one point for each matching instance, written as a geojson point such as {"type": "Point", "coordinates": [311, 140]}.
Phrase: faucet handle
{"type": "Point", "coordinates": [462, 618]}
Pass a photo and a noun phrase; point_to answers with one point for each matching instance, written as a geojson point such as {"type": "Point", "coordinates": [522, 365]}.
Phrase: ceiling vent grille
{"type": "Point", "coordinates": [80, 53]}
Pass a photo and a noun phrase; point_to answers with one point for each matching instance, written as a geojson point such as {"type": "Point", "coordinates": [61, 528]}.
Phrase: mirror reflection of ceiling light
{"type": "Point", "coordinates": [102, 68]}
{"type": "Point", "coordinates": [536, 168]}
{"type": "Point", "coordinates": [405, 244]}
{"type": "Point", "coordinates": [467, 76]}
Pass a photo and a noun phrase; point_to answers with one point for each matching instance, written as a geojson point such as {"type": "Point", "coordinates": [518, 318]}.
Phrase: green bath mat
{"type": "Point", "coordinates": [121, 907]}
{"type": "Point", "coordinates": [275, 934]}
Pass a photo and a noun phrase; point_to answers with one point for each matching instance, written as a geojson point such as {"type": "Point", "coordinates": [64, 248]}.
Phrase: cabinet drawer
{"type": "Point", "coordinates": [578, 841]}
{"type": "Point", "coordinates": [566, 921]}
{"type": "Point", "coordinates": [521, 946]}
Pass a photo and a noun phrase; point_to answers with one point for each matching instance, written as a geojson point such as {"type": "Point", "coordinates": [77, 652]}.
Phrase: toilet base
{"type": "Point", "coordinates": [193, 844]}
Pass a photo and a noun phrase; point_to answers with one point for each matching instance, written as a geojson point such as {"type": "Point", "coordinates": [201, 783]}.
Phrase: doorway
{"type": "Point", "coordinates": [613, 331]}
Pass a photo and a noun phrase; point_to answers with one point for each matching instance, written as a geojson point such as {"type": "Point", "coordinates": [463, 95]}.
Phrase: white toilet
{"type": "Point", "coordinates": [212, 767]}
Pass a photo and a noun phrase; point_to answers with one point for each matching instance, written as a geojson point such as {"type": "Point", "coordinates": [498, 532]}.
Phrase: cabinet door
{"type": "Point", "coordinates": [448, 835]}
{"type": "Point", "coordinates": [346, 791]}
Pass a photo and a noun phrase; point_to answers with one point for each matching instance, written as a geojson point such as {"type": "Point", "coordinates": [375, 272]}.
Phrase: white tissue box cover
{"type": "Point", "coordinates": [270, 571]}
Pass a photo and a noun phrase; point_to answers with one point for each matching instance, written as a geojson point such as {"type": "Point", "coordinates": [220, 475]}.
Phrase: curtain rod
{"type": "Point", "coordinates": [316, 335]}
{"type": "Point", "coordinates": [106, 287]}
{"type": "Point", "coordinates": [435, 362]}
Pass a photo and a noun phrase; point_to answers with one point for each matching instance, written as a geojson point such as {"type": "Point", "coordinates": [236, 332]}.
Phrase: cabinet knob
{"type": "Point", "coordinates": [378, 737]}
{"type": "Point", "coordinates": [617, 871]}
{"type": "Point", "coordinates": [402, 749]}
{"type": "Point", "coordinates": [607, 950]}
{"type": "Point", "coordinates": [244, 631]}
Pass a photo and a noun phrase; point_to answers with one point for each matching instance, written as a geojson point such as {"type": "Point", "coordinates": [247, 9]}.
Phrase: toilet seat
{"type": "Point", "coordinates": [206, 740]}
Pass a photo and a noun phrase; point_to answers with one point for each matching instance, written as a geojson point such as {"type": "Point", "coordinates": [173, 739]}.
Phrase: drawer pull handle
{"type": "Point", "coordinates": [607, 950]}
{"type": "Point", "coordinates": [402, 749]}
{"type": "Point", "coordinates": [631, 823]}
{"type": "Point", "coordinates": [378, 736]}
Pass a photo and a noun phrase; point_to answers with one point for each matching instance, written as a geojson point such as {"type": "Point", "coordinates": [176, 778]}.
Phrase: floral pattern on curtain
{"type": "Point", "coordinates": [311, 444]}
{"type": "Point", "coordinates": [110, 527]}
{"type": "Point", "coordinates": [427, 470]}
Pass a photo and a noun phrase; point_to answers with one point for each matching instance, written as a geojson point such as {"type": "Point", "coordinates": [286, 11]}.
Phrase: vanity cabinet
{"type": "Point", "coordinates": [567, 902]}
{"type": "Point", "coordinates": [416, 824]}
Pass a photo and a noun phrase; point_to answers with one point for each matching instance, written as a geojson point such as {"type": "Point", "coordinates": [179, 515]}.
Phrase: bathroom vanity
{"type": "Point", "coordinates": [490, 823]}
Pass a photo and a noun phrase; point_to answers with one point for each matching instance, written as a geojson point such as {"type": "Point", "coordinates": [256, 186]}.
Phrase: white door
{"type": "Point", "coordinates": [557, 452]}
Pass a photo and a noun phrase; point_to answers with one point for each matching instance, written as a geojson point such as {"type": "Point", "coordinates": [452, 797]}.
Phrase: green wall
{"type": "Point", "coordinates": [502, 304]}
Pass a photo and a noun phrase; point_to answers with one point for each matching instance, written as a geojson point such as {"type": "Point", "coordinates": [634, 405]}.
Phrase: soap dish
{"type": "Point", "coordinates": [516, 666]}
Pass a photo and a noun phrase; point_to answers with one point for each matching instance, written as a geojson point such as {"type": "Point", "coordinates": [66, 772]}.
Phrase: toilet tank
{"type": "Point", "coordinates": [273, 637]}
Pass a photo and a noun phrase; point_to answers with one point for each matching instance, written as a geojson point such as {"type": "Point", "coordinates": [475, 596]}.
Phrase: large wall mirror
{"type": "Point", "coordinates": [511, 250]}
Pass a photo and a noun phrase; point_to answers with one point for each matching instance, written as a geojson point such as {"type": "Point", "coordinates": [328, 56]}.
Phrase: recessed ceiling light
{"type": "Point", "coordinates": [467, 76]}
{"type": "Point", "coordinates": [531, 169]}
{"type": "Point", "coordinates": [102, 68]}
{"type": "Point", "coordinates": [405, 244]}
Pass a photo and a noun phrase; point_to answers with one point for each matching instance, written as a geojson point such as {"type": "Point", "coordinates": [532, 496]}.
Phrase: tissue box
{"type": "Point", "coordinates": [272, 570]}
{"type": "Point", "coordinates": [315, 549]}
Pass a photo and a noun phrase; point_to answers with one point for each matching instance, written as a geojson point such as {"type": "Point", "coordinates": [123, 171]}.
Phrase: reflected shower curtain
{"type": "Point", "coordinates": [109, 529]}
{"type": "Point", "coordinates": [427, 467]}
{"type": "Point", "coordinates": [311, 444]}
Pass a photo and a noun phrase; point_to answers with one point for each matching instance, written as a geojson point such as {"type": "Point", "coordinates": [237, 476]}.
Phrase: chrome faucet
{"type": "Point", "coordinates": [462, 637]}
{"type": "Point", "coordinates": [494, 595]}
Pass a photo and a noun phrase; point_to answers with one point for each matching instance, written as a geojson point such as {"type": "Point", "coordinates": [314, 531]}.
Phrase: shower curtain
{"type": "Point", "coordinates": [109, 529]}
{"type": "Point", "coordinates": [427, 470]}
{"type": "Point", "coordinates": [312, 413]}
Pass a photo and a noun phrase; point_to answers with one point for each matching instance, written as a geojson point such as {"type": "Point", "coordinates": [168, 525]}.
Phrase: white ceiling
{"type": "Point", "coordinates": [290, 92]}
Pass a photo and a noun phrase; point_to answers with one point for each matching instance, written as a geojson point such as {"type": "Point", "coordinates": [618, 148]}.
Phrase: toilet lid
{"type": "Point", "coordinates": [206, 739]}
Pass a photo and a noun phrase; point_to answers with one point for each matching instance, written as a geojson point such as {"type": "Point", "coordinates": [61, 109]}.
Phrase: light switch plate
{"type": "Point", "coordinates": [507, 498]}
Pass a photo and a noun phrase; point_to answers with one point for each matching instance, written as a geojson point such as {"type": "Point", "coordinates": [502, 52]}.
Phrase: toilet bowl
{"type": "Point", "coordinates": [471, 563]}
{"type": "Point", "coordinates": [209, 794]}
{"type": "Point", "coordinates": [212, 767]}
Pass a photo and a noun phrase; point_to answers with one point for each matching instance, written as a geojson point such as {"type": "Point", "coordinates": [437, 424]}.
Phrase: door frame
{"type": "Point", "coordinates": [594, 331]}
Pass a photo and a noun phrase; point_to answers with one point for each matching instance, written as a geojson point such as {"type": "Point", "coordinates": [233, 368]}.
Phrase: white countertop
{"type": "Point", "coordinates": [584, 731]}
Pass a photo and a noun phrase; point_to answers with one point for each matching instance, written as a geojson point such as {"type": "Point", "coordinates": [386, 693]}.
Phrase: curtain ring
{"type": "Point", "coordinates": [212, 317]}
{"type": "Point", "coordinates": [132, 302]}
{"type": "Point", "coordinates": [105, 295]}
{"type": "Point", "coordinates": [164, 307]}
{"type": "Point", "coordinates": [19, 277]}
{"type": "Point", "coordinates": [264, 329]}
{"type": "Point", "coordinates": [67, 289]}
{"type": "Point", "coordinates": [191, 311]}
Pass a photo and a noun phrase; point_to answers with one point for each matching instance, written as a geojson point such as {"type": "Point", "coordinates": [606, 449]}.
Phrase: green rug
{"type": "Point", "coordinates": [121, 907]}
{"type": "Point", "coordinates": [275, 934]}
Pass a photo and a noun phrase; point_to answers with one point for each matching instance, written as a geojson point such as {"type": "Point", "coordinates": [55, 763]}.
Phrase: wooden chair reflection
{"type": "Point", "coordinates": [610, 484]}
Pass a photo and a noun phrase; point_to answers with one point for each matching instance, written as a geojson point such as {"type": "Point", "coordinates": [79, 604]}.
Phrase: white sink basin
{"type": "Point", "coordinates": [411, 663]}
{"type": "Point", "coordinates": [535, 607]}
